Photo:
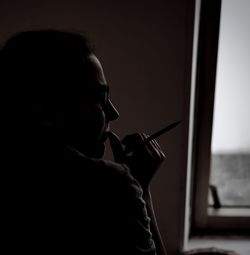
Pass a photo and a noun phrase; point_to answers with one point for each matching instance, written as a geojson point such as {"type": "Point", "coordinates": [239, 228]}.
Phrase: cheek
{"type": "Point", "coordinates": [98, 121]}
{"type": "Point", "coordinates": [95, 121]}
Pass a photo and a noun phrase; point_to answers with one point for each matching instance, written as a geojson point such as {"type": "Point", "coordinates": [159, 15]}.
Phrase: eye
{"type": "Point", "coordinates": [104, 99]}
{"type": "Point", "coordinates": [99, 95]}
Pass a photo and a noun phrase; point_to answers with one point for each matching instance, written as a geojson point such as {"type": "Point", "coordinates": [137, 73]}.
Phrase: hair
{"type": "Point", "coordinates": [44, 69]}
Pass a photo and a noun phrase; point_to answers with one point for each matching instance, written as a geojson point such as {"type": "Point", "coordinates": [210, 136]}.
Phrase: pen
{"type": "Point", "coordinates": [162, 131]}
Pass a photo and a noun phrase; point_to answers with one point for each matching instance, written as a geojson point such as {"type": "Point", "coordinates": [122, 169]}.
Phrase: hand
{"type": "Point", "coordinates": [143, 158]}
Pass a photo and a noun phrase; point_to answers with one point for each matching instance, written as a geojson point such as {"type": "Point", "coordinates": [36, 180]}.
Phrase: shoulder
{"type": "Point", "coordinates": [104, 171]}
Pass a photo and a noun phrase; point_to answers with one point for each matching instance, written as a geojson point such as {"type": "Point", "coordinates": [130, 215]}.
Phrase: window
{"type": "Point", "coordinates": [221, 162]}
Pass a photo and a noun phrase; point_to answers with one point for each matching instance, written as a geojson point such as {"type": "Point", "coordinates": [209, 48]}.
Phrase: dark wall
{"type": "Point", "coordinates": [145, 48]}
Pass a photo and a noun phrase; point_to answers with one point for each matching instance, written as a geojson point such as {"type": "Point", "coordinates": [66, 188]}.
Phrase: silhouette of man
{"type": "Point", "coordinates": [59, 195]}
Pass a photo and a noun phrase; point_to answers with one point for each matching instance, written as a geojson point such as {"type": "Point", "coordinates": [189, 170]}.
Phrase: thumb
{"type": "Point", "coordinates": [116, 147]}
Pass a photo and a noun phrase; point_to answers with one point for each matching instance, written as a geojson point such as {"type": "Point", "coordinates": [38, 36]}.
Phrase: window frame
{"type": "Point", "coordinates": [204, 219]}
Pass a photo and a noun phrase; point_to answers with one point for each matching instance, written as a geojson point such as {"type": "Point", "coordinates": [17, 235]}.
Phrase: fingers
{"type": "Point", "coordinates": [137, 143]}
{"type": "Point", "coordinates": [156, 145]}
{"type": "Point", "coordinates": [143, 157]}
{"type": "Point", "coordinates": [154, 148]}
{"type": "Point", "coordinates": [116, 147]}
{"type": "Point", "coordinates": [132, 142]}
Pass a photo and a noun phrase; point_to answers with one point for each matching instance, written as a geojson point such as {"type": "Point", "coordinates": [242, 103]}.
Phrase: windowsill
{"type": "Point", "coordinates": [237, 219]}
{"type": "Point", "coordinates": [239, 244]}
{"type": "Point", "coordinates": [229, 212]}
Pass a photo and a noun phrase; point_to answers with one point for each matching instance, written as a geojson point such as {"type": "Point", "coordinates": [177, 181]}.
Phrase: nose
{"type": "Point", "coordinates": [111, 112]}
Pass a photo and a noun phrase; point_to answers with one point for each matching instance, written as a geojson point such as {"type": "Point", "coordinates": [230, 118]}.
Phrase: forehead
{"type": "Point", "coordinates": [96, 70]}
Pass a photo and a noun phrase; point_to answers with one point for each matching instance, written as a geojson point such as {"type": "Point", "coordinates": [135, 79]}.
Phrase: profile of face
{"type": "Point", "coordinates": [70, 98]}
{"type": "Point", "coordinates": [88, 129]}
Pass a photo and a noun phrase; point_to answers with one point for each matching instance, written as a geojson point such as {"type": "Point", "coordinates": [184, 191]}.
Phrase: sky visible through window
{"type": "Point", "coordinates": [230, 161]}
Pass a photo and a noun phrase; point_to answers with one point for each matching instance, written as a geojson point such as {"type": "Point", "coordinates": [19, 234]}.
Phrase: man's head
{"type": "Point", "coordinates": [54, 81]}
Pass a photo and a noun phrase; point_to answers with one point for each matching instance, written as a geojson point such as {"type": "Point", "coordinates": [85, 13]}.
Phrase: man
{"type": "Point", "coordinates": [60, 196]}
